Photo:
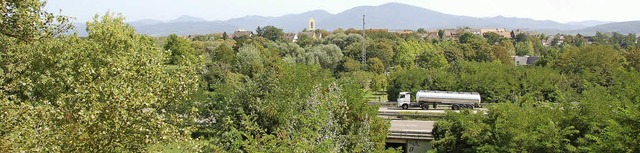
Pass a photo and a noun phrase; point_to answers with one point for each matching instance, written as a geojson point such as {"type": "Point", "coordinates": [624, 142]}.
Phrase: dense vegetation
{"type": "Point", "coordinates": [117, 91]}
{"type": "Point", "coordinates": [108, 92]}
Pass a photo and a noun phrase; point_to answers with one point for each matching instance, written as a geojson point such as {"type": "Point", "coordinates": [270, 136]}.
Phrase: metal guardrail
{"type": "Point", "coordinates": [414, 135]}
{"type": "Point", "coordinates": [398, 114]}
{"type": "Point", "coordinates": [385, 103]}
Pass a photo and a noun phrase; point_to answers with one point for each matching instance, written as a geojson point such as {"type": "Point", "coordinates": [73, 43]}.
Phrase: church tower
{"type": "Point", "coordinates": [312, 27]}
{"type": "Point", "coordinates": [312, 24]}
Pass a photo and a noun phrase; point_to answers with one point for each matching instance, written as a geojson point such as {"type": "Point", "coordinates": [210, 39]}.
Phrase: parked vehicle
{"type": "Point", "coordinates": [424, 98]}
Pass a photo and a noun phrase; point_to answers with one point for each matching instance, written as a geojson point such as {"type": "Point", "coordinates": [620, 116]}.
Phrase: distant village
{"type": "Point", "coordinates": [441, 34]}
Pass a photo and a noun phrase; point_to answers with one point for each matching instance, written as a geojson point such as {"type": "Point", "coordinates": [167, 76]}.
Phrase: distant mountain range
{"type": "Point", "coordinates": [620, 27]}
{"type": "Point", "coordinates": [389, 16]}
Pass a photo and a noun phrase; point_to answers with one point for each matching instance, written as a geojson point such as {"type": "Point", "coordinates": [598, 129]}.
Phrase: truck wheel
{"type": "Point", "coordinates": [455, 107]}
{"type": "Point", "coordinates": [405, 106]}
{"type": "Point", "coordinates": [467, 106]}
{"type": "Point", "coordinates": [425, 106]}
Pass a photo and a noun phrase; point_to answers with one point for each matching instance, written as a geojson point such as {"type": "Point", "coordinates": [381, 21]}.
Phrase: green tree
{"type": "Point", "coordinates": [259, 31]}
{"type": "Point", "coordinates": [492, 37]}
{"type": "Point", "coordinates": [633, 58]}
{"type": "Point", "coordinates": [343, 40]}
{"type": "Point", "coordinates": [502, 54]}
{"type": "Point", "coordinates": [521, 37]}
{"type": "Point", "coordinates": [350, 65]}
{"type": "Point", "coordinates": [594, 63]}
{"type": "Point", "coordinates": [494, 81]}
{"type": "Point", "coordinates": [381, 49]}
{"type": "Point", "coordinates": [601, 38]}
{"type": "Point", "coordinates": [109, 92]}
{"type": "Point", "coordinates": [405, 80]}
{"type": "Point", "coordinates": [413, 80]}
{"type": "Point", "coordinates": [327, 56]}
{"type": "Point", "coordinates": [441, 34]}
{"type": "Point", "coordinates": [363, 79]}
{"type": "Point", "coordinates": [304, 110]}
{"type": "Point", "coordinates": [432, 60]}
{"type": "Point", "coordinates": [291, 52]}
{"type": "Point", "coordinates": [421, 30]}
{"type": "Point", "coordinates": [629, 41]}
{"type": "Point", "coordinates": [225, 36]}
{"type": "Point", "coordinates": [405, 54]}
{"type": "Point", "coordinates": [272, 33]}
{"type": "Point", "coordinates": [469, 38]}
{"type": "Point", "coordinates": [26, 21]}
{"type": "Point", "coordinates": [249, 61]}
{"type": "Point", "coordinates": [376, 65]}
{"type": "Point", "coordinates": [524, 48]}
{"type": "Point", "coordinates": [452, 51]}
{"type": "Point", "coordinates": [305, 41]}
{"type": "Point", "coordinates": [224, 54]}
{"type": "Point", "coordinates": [181, 51]}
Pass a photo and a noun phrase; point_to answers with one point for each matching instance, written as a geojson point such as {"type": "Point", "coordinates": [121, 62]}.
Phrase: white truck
{"type": "Point", "coordinates": [424, 98]}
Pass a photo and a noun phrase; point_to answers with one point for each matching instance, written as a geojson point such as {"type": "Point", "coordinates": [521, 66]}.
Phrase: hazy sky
{"type": "Point", "coordinates": [557, 10]}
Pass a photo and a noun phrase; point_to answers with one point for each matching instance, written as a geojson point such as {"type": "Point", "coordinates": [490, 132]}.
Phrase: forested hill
{"type": "Point", "coordinates": [620, 27]}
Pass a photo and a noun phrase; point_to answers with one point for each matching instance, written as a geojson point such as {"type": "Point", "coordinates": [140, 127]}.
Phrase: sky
{"type": "Point", "coordinates": [556, 10]}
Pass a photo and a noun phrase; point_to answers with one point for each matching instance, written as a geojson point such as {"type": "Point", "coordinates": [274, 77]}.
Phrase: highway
{"type": "Point", "coordinates": [393, 109]}
{"type": "Point", "coordinates": [414, 129]}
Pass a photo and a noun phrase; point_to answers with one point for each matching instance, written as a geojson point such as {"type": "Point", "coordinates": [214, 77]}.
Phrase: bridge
{"type": "Point", "coordinates": [411, 135]}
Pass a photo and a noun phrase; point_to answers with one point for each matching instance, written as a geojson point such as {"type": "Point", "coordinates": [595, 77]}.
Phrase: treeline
{"type": "Point", "coordinates": [579, 97]}
{"type": "Point", "coordinates": [598, 119]}
{"type": "Point", "coordinates": [274, 96]}
{"type": "Point", "coordinates": [559, 81]}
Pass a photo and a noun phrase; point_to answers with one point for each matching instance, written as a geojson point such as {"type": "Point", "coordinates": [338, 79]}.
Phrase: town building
{"type": "Point", "coordinates": [291, 37]}
{"type": "Point", "coordinates": [241, 32]}
{"type": "Point", "coordinates": [452, 34]}
{"type": "Point", "coordinates": [525, 60]}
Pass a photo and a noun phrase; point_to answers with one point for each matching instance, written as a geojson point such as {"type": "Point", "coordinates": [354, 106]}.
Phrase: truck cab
{"type": "Point", "coordinates": [404, 100]}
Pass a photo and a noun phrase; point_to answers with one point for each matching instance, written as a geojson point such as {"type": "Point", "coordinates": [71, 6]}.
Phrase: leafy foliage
{"type": "Point", "coordinates": [181, 51]}
{"type": "Point", "coordinates": [75, 95]}
{"type": "Point", "coordinates": [302, 110]}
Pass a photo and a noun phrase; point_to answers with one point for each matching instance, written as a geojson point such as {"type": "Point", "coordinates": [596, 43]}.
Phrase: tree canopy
{"type": "Point", "coordinates": [110, 92]}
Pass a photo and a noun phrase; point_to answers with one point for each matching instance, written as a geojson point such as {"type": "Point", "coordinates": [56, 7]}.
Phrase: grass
{"type": "Point", "coordinates": [376, 96]}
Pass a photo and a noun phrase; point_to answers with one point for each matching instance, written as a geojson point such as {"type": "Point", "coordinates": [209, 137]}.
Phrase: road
{"type": "Point", "coordinates": [393, 109]}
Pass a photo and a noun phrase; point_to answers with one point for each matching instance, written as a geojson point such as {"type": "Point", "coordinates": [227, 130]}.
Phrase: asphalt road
{"type": "Point", "coordinates": [440, 109]}
{"type": "Point", "coordinates": [397, 110]}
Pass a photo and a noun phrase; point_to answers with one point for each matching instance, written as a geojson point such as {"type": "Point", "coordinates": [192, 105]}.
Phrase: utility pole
{"type": "Point", "coordinates": [364, 43]}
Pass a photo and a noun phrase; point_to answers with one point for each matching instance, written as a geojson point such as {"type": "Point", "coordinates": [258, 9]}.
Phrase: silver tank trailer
{"type": "Point", "coordinates": [448, 97]}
